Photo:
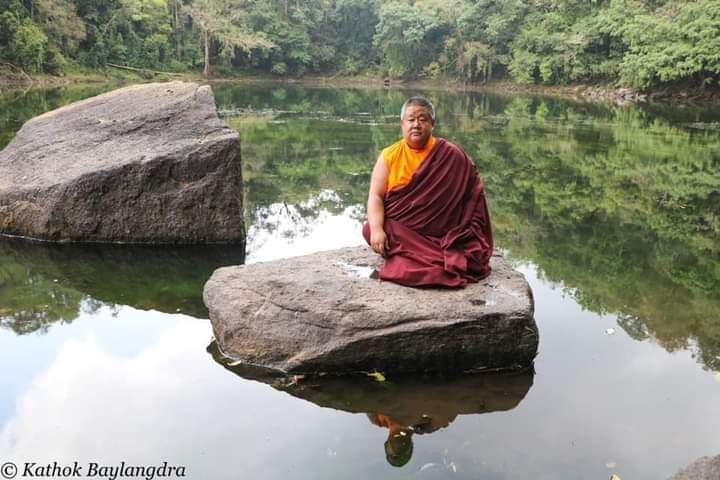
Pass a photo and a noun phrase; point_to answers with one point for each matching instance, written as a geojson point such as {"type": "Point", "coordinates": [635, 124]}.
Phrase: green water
{"type": "Point", "coordinates": [612, 213]}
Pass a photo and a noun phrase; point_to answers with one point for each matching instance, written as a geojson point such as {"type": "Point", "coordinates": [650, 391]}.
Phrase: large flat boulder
{"type": "Point", "coordinates": [144, 164]}
{"type": "Point", "coordinates": [323, 313]}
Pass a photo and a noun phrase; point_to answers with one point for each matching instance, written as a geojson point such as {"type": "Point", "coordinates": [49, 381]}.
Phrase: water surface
{"type": "Point", "coordinates": [612, 213]}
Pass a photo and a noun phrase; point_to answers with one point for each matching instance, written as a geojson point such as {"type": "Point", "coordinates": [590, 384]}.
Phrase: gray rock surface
{"type": "Point", "coordinates": [322, 313]}
{"type": "Point", "coordinates": [704, 468]}
{"type": "Point", "coordinates": [143, 164]}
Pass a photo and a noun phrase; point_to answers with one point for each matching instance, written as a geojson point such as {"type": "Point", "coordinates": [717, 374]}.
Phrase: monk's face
{"type": "Point", "coordinates": [417, 125]}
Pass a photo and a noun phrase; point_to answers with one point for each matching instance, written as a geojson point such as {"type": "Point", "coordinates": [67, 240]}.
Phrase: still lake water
{"type": "Point", "coordinates": [612, 213]}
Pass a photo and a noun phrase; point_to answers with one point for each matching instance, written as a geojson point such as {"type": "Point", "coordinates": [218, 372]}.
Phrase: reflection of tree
{"type": "Point", "coordinates": [17, 107]}
{"type": "Point", "coordinates": [620, 204]}
{"type": "Point", "coordinates": [41, 284]}
{"type": "Point", "coordinates": [296, 219]}
{"type": "Point", "coordinates": [624, 212]}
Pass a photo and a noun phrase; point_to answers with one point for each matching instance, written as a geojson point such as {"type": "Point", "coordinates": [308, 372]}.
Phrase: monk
{"type": "Point", "coordinates": [427, 213]}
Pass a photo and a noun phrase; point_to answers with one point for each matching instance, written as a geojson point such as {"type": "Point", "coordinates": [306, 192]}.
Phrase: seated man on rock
{"type": "Point", "coordinates": [426, 208]}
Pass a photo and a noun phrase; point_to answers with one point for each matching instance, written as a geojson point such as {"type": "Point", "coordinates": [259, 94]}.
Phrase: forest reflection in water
{"type": "Point", "coordinates": [613, 214]}
{"type": "Point", "coordinates": [619, 205]}
{"type": "Point", "coordinates": [42, 283]}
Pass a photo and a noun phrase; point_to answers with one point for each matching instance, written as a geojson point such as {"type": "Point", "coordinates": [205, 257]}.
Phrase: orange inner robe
{"type": "Point", "coordinates": [402, 161]}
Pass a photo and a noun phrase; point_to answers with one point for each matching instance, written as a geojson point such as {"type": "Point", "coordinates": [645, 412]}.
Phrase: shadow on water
{"type": "Point", "coordinates": [406, 406]}
{"type": "Point", "coordinates": [42, 283]}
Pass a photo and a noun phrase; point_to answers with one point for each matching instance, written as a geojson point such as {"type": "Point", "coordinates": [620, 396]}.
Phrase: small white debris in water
{"type": "Point", "coordinates": [610, 331]}
{"type": "Point", "coordinates": [611, 464]}
{"type": "Point", "coordinates": [428, 465]}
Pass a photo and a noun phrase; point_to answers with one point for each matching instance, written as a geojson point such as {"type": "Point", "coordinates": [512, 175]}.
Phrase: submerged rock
{"type": "Point", "coordinates": [322, 313]}
{"type": "Point", "coordinates": [144, 164]}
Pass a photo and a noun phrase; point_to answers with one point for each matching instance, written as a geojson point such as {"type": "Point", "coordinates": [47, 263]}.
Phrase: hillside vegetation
{"type": "Point", "coordinates": [643, 44]}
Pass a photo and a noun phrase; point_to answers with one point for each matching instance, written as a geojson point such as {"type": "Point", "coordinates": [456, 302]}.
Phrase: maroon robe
{"type": "Point", "coordinates": [438, 225]}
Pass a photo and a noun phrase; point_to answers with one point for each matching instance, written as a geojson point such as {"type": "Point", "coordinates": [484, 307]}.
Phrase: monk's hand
{"type": "Point", "coordinates": [379, 241]}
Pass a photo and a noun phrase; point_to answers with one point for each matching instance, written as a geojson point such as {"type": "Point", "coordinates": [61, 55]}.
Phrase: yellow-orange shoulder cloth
{"type": "Point", "coordinates": [402, 161]}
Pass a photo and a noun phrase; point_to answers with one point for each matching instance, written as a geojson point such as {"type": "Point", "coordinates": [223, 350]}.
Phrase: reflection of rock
{"type": "Point", "coordinates": [143, 164]}
{"type": "Point", "coordinates": [427, 403]}
{"type": "Point", "coordinates": [42, 283]}
{"type": "Point", "coordinates": [705, 468]}
{"type": "Point", "coordinates": [405, 405]}
{"type": "Point", "coordinates": [316, 314]}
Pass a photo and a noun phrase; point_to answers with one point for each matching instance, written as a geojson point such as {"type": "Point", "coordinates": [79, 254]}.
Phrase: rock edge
{"type": "Point", "coordinates": [321, 313]}
{"type": "Point", "coordinates": [148, 163]}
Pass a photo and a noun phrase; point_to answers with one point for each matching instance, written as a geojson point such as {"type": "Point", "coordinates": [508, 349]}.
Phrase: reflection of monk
{"type": "Point", "coordinates": [399, 446]}
{"type": "Point", "coordinates": [427, 213]}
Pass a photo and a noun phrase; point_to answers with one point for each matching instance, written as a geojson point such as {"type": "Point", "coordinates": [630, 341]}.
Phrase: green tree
{"type": "Point", "coordinates": [224, 22]}
{"type": "Point", "coordinates": [29, 45]}
{"type": "Point", "coordinates": [354, 24]}
{"type": "Point", "coordinates": [677, 41]}
{"type": "Point", "coordinates": [480, 44]}
{"type": "Point", "coordinates": [61, 23]}
{"type": "Point", "coordinates": [410, 36]}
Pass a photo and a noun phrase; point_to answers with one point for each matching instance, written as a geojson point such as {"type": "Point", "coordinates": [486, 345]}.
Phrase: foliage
{"type": "Point", "coordinates": [409, 36]}
{"type": "Point", "coordinates": [637, 43]}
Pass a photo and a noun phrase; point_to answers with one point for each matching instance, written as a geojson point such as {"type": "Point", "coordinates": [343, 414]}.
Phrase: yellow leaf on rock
{"type": "Point", "coordinates": [377, 376]}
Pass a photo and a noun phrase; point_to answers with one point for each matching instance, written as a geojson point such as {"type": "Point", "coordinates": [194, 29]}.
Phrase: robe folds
{"type": "Point", "coordinates": [438, 225]}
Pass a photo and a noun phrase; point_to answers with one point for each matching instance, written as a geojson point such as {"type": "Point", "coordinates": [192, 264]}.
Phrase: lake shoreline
{"type": "Point", "coordinates": [603, 93]}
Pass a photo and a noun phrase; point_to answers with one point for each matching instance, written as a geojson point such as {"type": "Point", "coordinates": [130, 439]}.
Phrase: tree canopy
{"type": "Point", "coordinates": [638, 43]}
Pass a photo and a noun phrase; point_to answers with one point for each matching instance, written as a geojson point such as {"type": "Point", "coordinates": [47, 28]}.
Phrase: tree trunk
{"type": "Point", "coordinates": [176, 14]}
{"type": "Point", "coordinates": [206, 68]}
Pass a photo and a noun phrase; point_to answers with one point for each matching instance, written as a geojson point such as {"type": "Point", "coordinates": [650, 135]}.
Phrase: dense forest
{"type": "Point", "coordinates": [644, 44]}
